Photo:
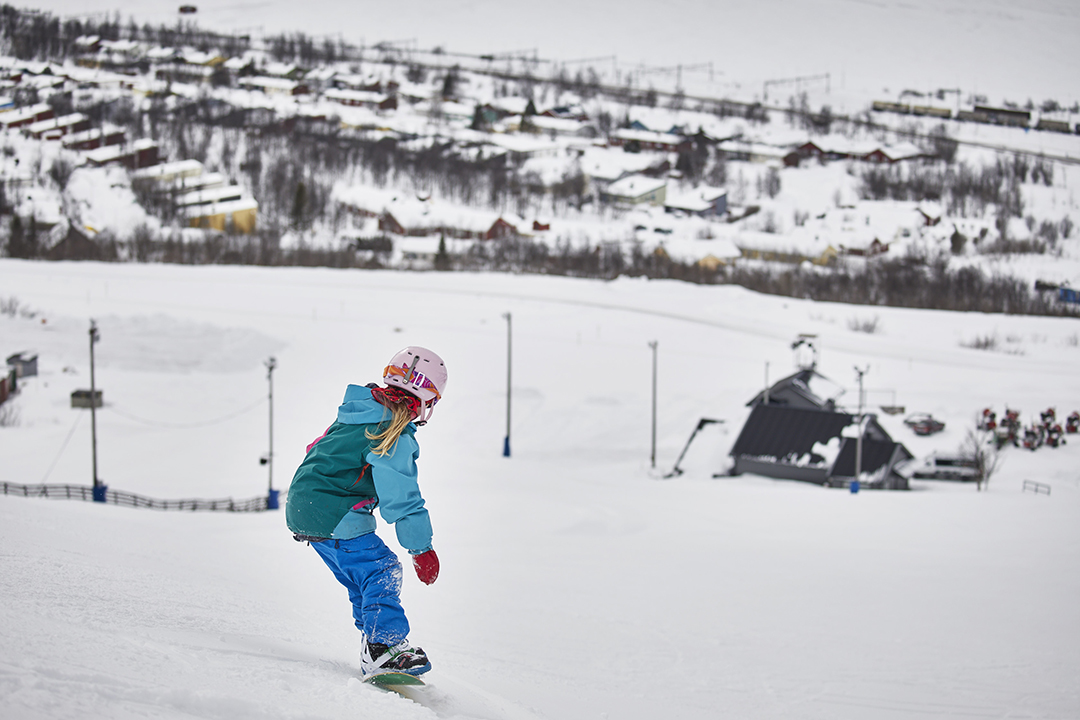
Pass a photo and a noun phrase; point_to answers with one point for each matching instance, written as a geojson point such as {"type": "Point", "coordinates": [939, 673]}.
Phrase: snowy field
{"type": "Point", "coordinates": [576, 582]}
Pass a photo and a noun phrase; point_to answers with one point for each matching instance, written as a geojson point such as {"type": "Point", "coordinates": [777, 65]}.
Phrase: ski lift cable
{"type": "Point", "coordinates": [182, 426]}
{"type": "Point", "coordinates": [63, 447]}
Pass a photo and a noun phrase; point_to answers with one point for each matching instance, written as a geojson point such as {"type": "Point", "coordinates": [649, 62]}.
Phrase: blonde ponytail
{"type": "Point", "coordinates": [387, 438]}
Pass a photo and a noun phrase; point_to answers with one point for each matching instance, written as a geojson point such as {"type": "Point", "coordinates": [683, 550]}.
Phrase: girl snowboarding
{"type": "Point", "coordinates": [367, 460]}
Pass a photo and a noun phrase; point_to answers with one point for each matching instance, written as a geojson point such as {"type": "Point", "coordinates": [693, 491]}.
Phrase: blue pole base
{"type": "Point", "coordinates": [506, 446]}
{"type": "Point", "coordinates": [854, 486]}
{"type": "Point", "coordinates": [99, 492]}
{"type": "Point", "coordinates": [272, 500]}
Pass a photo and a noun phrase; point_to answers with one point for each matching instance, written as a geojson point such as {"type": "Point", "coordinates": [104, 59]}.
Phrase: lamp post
{"type": "Point", "coordinates": [98, 487]}
{"type": "Point", "coordinates": [509, 349]}
{"type": "Point", "coordinates": [859, 438]}
{"type": "Point", "coordinates": [652, 456]}
{"type": "Point", "coordinates": [272, 494]}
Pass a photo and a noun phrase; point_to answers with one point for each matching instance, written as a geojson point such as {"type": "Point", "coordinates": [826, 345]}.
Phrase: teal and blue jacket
{"type": "Point", "coordinates": [341, 481]}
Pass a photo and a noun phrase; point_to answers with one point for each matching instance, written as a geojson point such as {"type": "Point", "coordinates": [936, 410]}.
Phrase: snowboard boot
{"type": "Point", "coordinates": [376, 658]}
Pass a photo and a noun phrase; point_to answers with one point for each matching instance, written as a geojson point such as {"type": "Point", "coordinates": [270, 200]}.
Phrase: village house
{"type": "Point", "coordinates": [183, 72]}
{"type": "Point", "coordinates": [636, 190]}
{"type": "Point", "coordinates": [94, 138]}
{"type": "Point", "coordinates": [520, 148]}
{"type": "Point", "coordinates": [841, 149]}
{"type": "Point", "coordinates": [646, 140]}
{"type": "Point", "coordinates": [26, 116]}
{"type": "Point", "coordinates": [169, 174]}
{"type": "Point", "coordinates": [703, 201]}
{"type": "Point", "coordinates": [406, 215]}
{"type": "Point", "coordinates": [601, 167]}
{"type": "Point", "coordinates": [289, 71]}
{"type": "Point", "coordinates": [210, 196]}
{"type": "Point", "coordinates": [799, 246]}
{"type": "Point", "coordinates": [235, 215]}
{"type": "Point", "coordinates": [708, 254]}
{"type": "Point", "coordinates": [552, 126]}
{"type": "Point", "coordinates": [273, 86]}
{"type": "Point", "coordinates": [741, 150]}
{"type": "Point", "coordinates": [361, 98]}
{"type": "Point", "coordinates": [139, 154]}
{"type": "Point", "coordinates": [57, 127]}
{"type": "Point", "coordinates": [570, 112]}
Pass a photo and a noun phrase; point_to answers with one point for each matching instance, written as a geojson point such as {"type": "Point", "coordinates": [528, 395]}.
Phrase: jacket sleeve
{"type": "Point", "coordinates": [400, 502]}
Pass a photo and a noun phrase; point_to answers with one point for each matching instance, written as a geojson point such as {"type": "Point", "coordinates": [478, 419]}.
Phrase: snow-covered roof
{"type": "Point", "coordinates": [127, 47]}
{"type": "Point", "coordinates": [114, 152]}
{"type": "Point", "coordinates": [694, 199]}
{"type": "Point", "coordinates": [354, 96]}
{"type": "Point", "coordinates": [280, 69]}
{"type": "Point", "coordinates": [198, 57]}
{"type": "Point", "coordinates": [634, 186]}
{"type": "Point", "coordinates": [562, 126]}
{"type": "Point", "coordinates": [753, 149]}
{"type": "Point", "coordinates": [607, 165]}
{"type": "Point", "coordinates": [205, 196]}
{"type": "Point", "coordinates": [25, 113]}
{"type": "Point", "coordinates": [57, 122]}
{"type": "Point", "coordinates": [695, 249]}
{"type": "Point", "coordinates": [628, 135]}
{"type": "Point", "coordinates": [221, 208]}
{"type": "Point", "coordinates": [416, 214]}
{"type": "Point", "coordinates": [169, 170]}
{"type": "Point", "coordinates": [238, 62]}
{"type": "Point", "coordinates": [511, 105]}
{"type": "Point", "coordinates": [162, 53]}
{"type": "Point", "coordinates": [268, 83]}
{"type": "Point", "coordinates": [523, 144]}
{"type": "Point", "coordinates": [902, 151]}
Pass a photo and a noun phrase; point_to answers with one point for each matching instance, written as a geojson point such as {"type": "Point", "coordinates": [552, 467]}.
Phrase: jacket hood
{"type": "Point", "coordinates": [360, 408]}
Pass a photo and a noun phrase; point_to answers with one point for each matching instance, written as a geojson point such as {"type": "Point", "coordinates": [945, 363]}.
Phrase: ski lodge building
{"type": "Point", "coordinates": [795, 426]}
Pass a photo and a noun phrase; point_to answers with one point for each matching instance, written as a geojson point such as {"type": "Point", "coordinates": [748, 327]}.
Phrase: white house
{"type": "Point", "coordinates": [635, 190]}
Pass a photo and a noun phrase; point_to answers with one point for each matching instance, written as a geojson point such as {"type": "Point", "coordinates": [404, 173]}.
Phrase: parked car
{"type": "Point", "coordinates": [924, 424]}
{"type": "Point", "coordinates": [946, 467]}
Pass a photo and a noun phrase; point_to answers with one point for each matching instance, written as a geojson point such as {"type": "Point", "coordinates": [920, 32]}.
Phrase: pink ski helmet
{"type": "Point", "coordinates": [420, 372]}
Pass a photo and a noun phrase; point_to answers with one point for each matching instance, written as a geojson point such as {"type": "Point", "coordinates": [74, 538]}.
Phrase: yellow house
{"type": "Point", "coordinates": [234, 215]}
{"type": "Point", "coordinates": [827, 256]}
{"type": "Point", "coordinates": [711, 263]}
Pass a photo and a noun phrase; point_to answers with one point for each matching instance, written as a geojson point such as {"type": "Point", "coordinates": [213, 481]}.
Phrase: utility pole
{"type": "Point", "coordinates": [859, 438]}
{"type": "Point", "coordinates": [766, 383]}
{"type": "Point", "coordinates": [509, 358]}
{"type": "Point", "coordinates": [652, 457]}
{"type": "Point", "coordinates": [99, 487]}
{"type": "Point", "coordinates": [272, 496]}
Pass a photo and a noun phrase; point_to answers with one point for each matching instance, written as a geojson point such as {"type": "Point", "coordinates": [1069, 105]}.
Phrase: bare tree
{"type": "Point", "coordinates": [979, 447]}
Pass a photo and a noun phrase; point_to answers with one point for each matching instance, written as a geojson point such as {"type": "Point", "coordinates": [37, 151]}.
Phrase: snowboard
{"type": "Point", "coordinates": [393, 680]}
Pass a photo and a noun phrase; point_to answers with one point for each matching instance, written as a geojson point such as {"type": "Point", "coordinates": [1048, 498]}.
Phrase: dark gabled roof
{"type": "Point", "coordinates": [875, 453]}
{"type": "Point", "coordinates": [778, 431]}
{"type": "Point", "coordinates": [794, 391]}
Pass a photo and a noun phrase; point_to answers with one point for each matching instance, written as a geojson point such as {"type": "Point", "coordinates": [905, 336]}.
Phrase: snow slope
{"type": "Point", "coordinates": [692, 597]}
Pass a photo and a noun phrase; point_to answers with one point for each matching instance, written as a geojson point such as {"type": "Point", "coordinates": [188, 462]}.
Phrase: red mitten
{"type": "Point", "coordinates": [426, 565]}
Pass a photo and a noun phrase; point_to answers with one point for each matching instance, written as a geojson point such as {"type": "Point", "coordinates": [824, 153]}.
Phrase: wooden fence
{"type": "Point", "coordinates": [117, 497]}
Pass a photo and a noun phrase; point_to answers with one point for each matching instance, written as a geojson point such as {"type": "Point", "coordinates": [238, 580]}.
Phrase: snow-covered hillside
{"type": "Point", "coordinates": [999, 48]}
{"type": "Point", "coordinates": [576, 582]}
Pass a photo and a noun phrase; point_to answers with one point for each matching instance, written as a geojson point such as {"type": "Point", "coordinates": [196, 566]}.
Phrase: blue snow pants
{"type": "Point", "coordinates": [372, 574]}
